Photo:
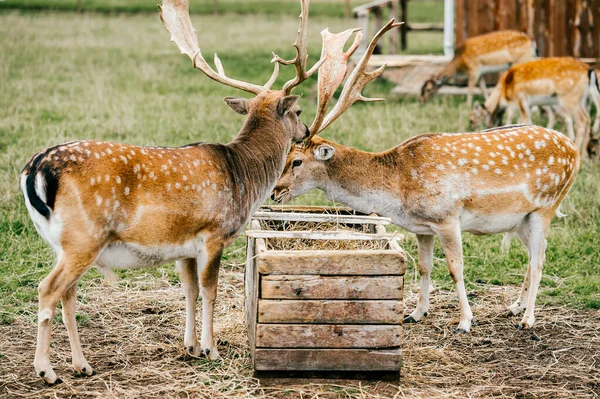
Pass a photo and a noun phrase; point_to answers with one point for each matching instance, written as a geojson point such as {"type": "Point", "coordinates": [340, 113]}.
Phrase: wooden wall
{"type": "Point", "coordinates": [559, 27]}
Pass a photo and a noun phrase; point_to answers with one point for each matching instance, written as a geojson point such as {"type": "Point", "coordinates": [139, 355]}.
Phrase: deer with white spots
{"type": "Point", "coordinates": [510, 179]}
{"type": "Point", "coordinates": [480, 55]}
{"type": "Point", "coordinates": [562, 82]}
{"type": "Point", "coordinates": [124, 206]}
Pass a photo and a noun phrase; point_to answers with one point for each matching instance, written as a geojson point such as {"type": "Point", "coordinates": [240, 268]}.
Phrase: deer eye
{"type": "Point", "coordinates": [296, 162]}
{"type": "Point", "coordinates": [299, 112]}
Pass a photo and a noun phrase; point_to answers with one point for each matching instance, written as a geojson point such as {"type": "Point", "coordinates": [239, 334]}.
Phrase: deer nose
{"type": "Point", "coordinates": [273, 196]}
{"type": "Point", "coordinates": [306, 132]}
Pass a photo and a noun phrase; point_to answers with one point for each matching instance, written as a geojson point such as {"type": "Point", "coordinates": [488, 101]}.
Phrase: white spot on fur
{"type": "Point", "coordinates": [126, 190]}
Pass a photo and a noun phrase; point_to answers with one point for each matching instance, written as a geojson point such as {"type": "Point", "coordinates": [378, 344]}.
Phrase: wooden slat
{"type": "Point", "coordinates": [325, 218]}
{"type": "Point", "coordinates": [328, 336]}
{"type": "Point", "coordinates": [459, 27]}
{"type": "Point", "coordinates": [368, 6]}
{"type": "Point", "coordinates": [595, 5]}
{"type": "Point", "coordinates": [341, 210]}
{"type": "Point", "coordinates": [472, 18]}
{"type": "Point", "coordinates": [251, 281]}
{"type": "Point", "coordinates": [346, 262]}
{"type": "Point", "coordinates": [328, 359]}
{"type": "Point", "coordinates": [320, 287]}
{"type": "Point", "coordinates": [330, 311]}
{"type": "Point", "coordinates": [321, 235]}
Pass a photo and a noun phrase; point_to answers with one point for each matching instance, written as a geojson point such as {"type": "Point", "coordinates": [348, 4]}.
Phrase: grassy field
{"type": "Point", "coordinates": [117, 77]}
{"type": "Point", "coordinates": [421, 11]}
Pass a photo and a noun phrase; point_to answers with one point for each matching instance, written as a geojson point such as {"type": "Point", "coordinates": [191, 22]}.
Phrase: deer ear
{"type": "Point", "coordinates": [324, 152]}
{"type": "Point", "coordinates": [285, 104]}
{"type": "Point", "coordinates": [476, 106]}
{"type": "Point", "coordinates": [239, 105]}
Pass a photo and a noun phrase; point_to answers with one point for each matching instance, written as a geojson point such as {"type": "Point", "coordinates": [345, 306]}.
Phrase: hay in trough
{"type": "Point", "coordinates": [298, 244]}
{"type": "Point", "coordinates": [132, 335]}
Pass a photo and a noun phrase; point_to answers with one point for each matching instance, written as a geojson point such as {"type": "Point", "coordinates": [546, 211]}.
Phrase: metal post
{"type": "Point", "coordinates": [449, 28]}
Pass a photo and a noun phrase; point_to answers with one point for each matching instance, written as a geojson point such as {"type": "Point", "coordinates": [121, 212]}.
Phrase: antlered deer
{"type": "Point", "coordinates": [509, 179]}
{"type": "Point", "coordinates": [562, 82]}
{"type": "Point", "coordinates": [123, 206]}
{"type": "Point", "coordinates": [480, 55]}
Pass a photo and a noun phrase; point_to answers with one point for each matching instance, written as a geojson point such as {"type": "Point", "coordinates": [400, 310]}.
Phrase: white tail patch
{"type": "Point", "coordinates": [40, 186]}
{"type": "Point", "coordinates": [558, 213]}
{"type": "Point", "coordinates": [506, 240]}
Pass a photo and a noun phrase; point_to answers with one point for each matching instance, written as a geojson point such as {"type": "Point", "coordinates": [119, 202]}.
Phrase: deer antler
{"type": "Point", "coordinates": [176, 18]}
{"type": "Point", "coordinates": [334, 68]}
{"type": "Point", "coordinates": [337, 65]}
{"type": "Point", "coordinates": [301, 53]}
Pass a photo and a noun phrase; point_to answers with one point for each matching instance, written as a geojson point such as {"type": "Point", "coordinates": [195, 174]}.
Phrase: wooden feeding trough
{"type": "Point", "coordinates": [323, 291]}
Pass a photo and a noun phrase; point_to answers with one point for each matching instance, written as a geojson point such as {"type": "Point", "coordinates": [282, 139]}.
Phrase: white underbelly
{"type": "Point", "coordinates": [489, 224]}
{"type": "Point", "coordinates": [543, 100]}
{"type": "Point", "coordinates": [485, 69]}
{"type": "Point", "coordinates": [123, 255]}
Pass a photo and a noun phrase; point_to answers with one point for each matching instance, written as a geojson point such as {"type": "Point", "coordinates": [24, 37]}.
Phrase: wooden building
{"type": "Point", "coordinates": [559, 27]}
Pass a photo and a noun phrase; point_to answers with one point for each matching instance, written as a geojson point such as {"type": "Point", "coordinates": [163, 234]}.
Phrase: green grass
{"type": "Point", "coordinates": [117, 77]}
{"type": "Point", "coordinates": [421, 11]}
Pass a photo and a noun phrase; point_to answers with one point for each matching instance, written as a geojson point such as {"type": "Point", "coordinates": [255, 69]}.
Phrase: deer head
{"type": "Point", "coordinates": [304, 168]}
{"type": "Point", "coordinates": [429, 89]}
{"type": "Point", "coordinates": [279, 104]}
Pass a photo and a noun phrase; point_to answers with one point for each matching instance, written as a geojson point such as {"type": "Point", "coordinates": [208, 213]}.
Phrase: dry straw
{"type": "Point", "coordinates": [134, 340]}
{"type": "Point", "coordinates": [297, 244]}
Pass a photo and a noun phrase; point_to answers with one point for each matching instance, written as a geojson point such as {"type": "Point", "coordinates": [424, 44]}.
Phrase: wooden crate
{"type": "Point", "coordinates": [321, 309]}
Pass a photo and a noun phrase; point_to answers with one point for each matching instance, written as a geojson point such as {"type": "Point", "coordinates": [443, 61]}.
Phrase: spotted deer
{"type": "Point", "coordinates": [562, 82]}
{"type": "Point", "coordinates": [123, 206]}
{"type": "Point", "coordinates": [509, 179]}
{"type": "Point", "coordinates": [480, 55]}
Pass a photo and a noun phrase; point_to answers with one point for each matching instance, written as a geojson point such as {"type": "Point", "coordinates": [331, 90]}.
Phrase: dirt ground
{"type": "Point", "coordinates": [132, 335]}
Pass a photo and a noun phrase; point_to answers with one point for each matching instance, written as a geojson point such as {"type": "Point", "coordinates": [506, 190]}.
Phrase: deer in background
{"type": "Point", "coordinates": [562, 82]}
{"type": "Point", "coordinates": [509, 179]}
{"type": "Point", "coordinates": [480, 55]}
{"type": "Point", "coordinates": [124, 206]}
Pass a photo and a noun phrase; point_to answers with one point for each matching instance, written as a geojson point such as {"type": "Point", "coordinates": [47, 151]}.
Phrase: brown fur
{"type": "Point", "coordinates": [491, 49]}
{"type": "Point", "coordinates": [564, 78]}
{"type": "Point", "coordinates": [501, 180]}
{"type": "Point", "coordinates": [106, 195]}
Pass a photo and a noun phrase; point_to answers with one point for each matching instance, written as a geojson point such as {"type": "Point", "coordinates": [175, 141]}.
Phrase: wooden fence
{"type": "Point", "coordinates": [559, 27]}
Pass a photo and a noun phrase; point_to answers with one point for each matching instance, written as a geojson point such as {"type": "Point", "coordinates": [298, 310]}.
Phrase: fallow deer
{"type": "Point", "coordinates": [509, 179]}
{"type": "Point", "coordinates": [562, 82]}
{"type": "Point", "coordinates": [489, 53]}
{"type": "Point", "coordinates": [124, 206]}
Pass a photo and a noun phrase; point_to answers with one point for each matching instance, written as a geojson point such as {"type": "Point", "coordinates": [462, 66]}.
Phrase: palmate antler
{"type": "Point", "coordinates": [333, 71]}
{"type": "Point", "coordinates": [301, 53]}
{"type": "Point", "coordinates": [176, 18]}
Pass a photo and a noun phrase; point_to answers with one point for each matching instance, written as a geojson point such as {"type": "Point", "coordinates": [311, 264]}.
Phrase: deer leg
{"type": "Point", "coordinates": [208, 289]}
{"type": "Point", "coordinates": [188, 274]}
{"type": "Point", "coordinates": [519, 305]}
{"type": "Point", "coordinates": [51, 290]}
{"type": "Point", "coordinates": [483, 88]}
{"type": "Point", "coordinates": [451, 240]}
{"type": "Point", "coordinates": [425, 244]}
{"type": "Point", "coordinates": [551, 116]}
{"type": "Point", "coordinates": [524, 109]}
{"type": "Point", "coordinates": [69, 299]}
{"type": "Point", "coordinates": [535, 229]}
{"type": "Point", "coordinates": [510, 115]}
{"type": "Point", "coordinates": [582, 136]}
{"type": "Point", "coordinates": [470, 86]}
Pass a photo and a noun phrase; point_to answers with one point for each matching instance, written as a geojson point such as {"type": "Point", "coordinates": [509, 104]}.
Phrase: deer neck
{"type": "Point", "coordinates": [362, 180]}
{"type": "Point", "coordinates": [258, 156]}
